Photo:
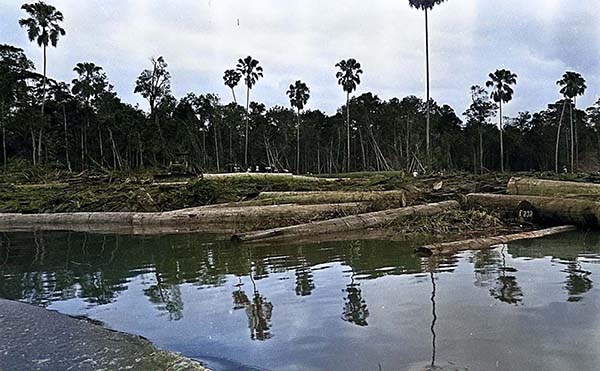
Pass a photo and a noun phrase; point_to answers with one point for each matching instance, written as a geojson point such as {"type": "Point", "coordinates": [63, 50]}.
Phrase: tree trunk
{"type": "Point", "coordinates": [39, 149]}
{"type": "Point", "coordinates": [33, 148]}
{"type": "Point", "coordinates": [320, 197]}
{"type": "Point", "coordinates": [558, 137]}
{"type": "Point", "coordinates": [345, 224]}
{"type": "Point", "coordinates": [348, 130]}
{"type": "Point", "coordinates": [247, 119]}
{"type": "Point", "coordinates": [450, 248]}
{"type": "Point", "coordinates": [501, 141]}
{"type": "Point", "coordinates": [234, 98]}
{"type": "Point", "coordinates": [4, 159]}
{"type": "Point", "coordinates": [576, 137]}
{"type": "Point", "coordinates": [572, 133]}
{"type": "Point", "coordinates": [428, 91]}
{"type": "Point", "coordinates": [217, 148]}
{"type": "Point", "coordinates": [82, 149]}
{"type": "Point", "coordinates": [542, 187]}
{"type": "Point", "coordinates": [100, 145]}
{"type": "Point", "coordinates": [66, 138]}
{"type": "Point", "coordinates": [298, 144]}
{"type": "Point", "coordinates": [542, 209]}
{"type": "Point", "coordinates": [480, 150]}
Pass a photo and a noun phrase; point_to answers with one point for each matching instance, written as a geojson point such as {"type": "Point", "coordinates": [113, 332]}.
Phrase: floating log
{"type": "Point", "coordinates": [320, 197]}
{"type": "Point", "coordinates": [201, 215]}
{"type": "Point", "coordinates": [345, 224]}
{"type": "Point", "coordinates": [490, 242]}
{"type": "Point", "coordinates": [543, 187]}
{"type": "Point", "coordinates": [537, 208]}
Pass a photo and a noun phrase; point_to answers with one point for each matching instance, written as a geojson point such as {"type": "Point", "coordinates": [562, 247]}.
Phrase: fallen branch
{"type": "Point", "coordinates": [488, 243]}
{"type": "Point", "coordinates": [345, 224]}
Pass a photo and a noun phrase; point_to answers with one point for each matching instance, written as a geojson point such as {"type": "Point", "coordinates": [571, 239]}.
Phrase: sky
{"type": "Point", "coordinates": [303, 39]}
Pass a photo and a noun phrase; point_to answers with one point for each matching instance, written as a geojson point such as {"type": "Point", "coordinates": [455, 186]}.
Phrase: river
{"type": "Point", "coordinates": [362, 305]}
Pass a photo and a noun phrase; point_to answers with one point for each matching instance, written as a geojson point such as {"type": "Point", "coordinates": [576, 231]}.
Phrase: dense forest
{"type": "Point", "coordinates": [83, 124]}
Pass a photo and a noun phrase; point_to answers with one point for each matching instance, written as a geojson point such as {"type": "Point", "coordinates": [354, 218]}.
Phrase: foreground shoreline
{"type": "Point", "coordinates": [35, 338]}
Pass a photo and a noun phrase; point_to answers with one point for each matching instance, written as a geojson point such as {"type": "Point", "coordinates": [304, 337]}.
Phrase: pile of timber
{"type": "Point", "coordinates": [345, 224]}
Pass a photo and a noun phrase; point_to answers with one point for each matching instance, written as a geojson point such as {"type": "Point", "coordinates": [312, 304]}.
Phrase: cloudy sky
{"type": "Point", "coordinates": [303, 39]}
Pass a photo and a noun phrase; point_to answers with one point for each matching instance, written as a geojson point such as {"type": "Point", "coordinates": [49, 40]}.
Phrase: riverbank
{"type": "Point", "coordinates": [34, 338]}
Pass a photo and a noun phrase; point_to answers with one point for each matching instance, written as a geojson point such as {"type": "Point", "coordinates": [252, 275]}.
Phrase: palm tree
{"type": "Point", "coordinates": [231, 78]}
{"type": "Point", "coordinates": [349, 78]}
{"type": "Point", "coordinates": [251, 72]}
{"type": "Point", "coordinates": [426, 5]}
{"type": "Point", "coordinates": [501, 81]}
{"type": "Point", "coordinates": [299, 94]}
{"type": "Point", "coordinates": [573, 85]}
{"type": "Point", "coordinates": [43, 27]}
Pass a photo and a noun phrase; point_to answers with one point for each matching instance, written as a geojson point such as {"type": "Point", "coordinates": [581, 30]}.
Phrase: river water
{"type": "Point", "coordinates": [363, 305]}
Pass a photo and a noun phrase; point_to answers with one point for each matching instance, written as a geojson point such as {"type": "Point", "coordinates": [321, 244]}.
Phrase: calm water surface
{"type": "Point", "coordinates": [334, 306]}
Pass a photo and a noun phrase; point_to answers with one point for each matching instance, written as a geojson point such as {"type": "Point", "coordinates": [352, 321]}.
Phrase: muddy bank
{"type": "Point", "coordinates": [34, 338]}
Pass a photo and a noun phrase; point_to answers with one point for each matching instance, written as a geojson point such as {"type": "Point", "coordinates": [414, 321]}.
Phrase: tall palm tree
{"type": "Point", "coordinates": [573, 85]}
{"type": "Point", "coordinates": [299, 93]}
{"type": "Point", "coordinates": [501, 81]}
{"type": "Point", "coordinates": [349, 78]}
{"type": "Point", "coordinates": [426, 5]}
{"type": "Point", "coordinates": [231, 78]}
{"type": "Point", "coordinates": [251, 72]}
{"type": "Point", "coordinates": [43, 27]}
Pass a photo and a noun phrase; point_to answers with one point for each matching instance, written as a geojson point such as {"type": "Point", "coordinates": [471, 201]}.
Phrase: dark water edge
{"type": "Point", "coordinates": [351, 305]}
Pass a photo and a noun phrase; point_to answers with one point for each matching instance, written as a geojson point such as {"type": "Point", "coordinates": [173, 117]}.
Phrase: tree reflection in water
{"type": "Point", "coordinates": [167, 298]}
{"type": "Point", "coordinates": [258, 310]}
{"type": "Point", "coordinates": [492, 271]}
{"type": "Point", "coordinates": [304, 281]}
{"type": "Point", "coordinates": [355, 307]}
{"type": "Point", "coordinates": [507, 289]}
{"type": "Point", "coordinates": [240, 299]}
{"type": "Point", "coordinates": [259, 315]}
{"type": "Point", "coordinates": [578, 281]}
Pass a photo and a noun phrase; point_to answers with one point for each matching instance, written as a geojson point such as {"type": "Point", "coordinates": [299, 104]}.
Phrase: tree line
{"type": "Point", "coordinates": [84, 123]}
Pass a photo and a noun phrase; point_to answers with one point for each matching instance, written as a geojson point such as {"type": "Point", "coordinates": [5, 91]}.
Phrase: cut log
{"type": "Point", "coordinates": [250, 214]}
{"type": "Point", "coordinates": [320, 197]}
{"type": "Point", "coordinates": [542, 187]}
{"type": "Point", "coordinates": [197, 216]}
{"type": "Point", "coordinates": [488, 243]}
{"type": "Point", "coordinates": [345, 224]}
{"type": "Point", "coordinates": [542, 209]}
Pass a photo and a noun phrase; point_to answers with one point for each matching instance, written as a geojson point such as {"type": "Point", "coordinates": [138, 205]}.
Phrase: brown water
{"type": "Point", "coordinates": [332, 306]}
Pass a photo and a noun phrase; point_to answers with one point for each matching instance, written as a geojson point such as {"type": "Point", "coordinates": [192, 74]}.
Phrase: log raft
{"type": "Point", "coordinates": [344, 224]}
{"type": "Point", "coordinates": [449, 248]}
